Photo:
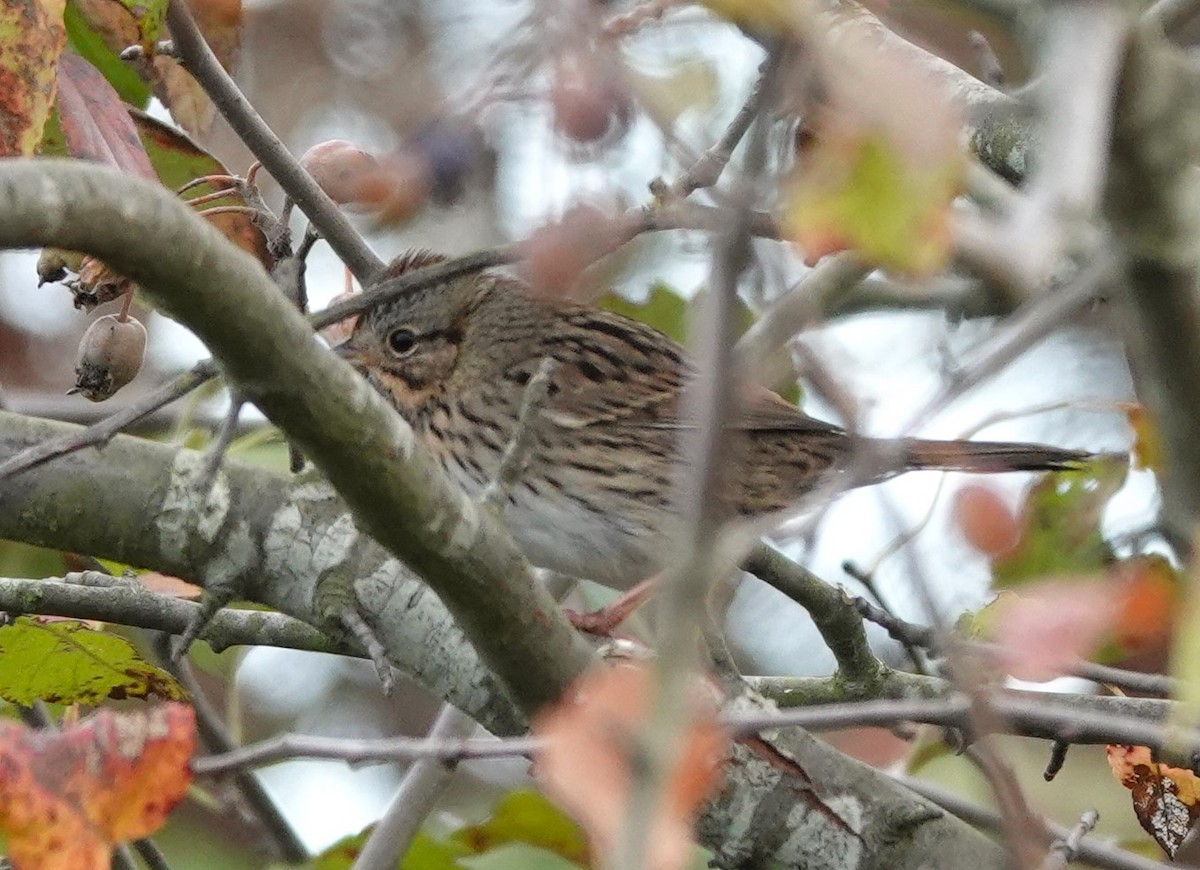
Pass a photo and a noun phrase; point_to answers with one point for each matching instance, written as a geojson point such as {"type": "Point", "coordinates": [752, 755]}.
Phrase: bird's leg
{"type": "Point", "coordinates": [605, 620]}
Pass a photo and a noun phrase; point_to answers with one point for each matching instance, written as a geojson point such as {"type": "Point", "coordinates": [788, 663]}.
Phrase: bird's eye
{"type": "Point", "coordinates": [402, 341]}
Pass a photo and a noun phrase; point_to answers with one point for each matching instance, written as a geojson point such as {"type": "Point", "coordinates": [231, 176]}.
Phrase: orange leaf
{"type": "Point", "coordinates": [1164, 798]}
{"type": "Point", "coordinates": [68, 796]}
{"type": "Point", "coordinates": [590, 740]}
{"type": "Point", "coordinates": [987, 522]}
{"type": "Point", "coordinates": [1149, 601]}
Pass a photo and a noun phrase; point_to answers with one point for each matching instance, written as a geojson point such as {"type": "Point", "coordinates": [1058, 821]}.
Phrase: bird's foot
{"type": "Point", "coordinates": [604, 621]}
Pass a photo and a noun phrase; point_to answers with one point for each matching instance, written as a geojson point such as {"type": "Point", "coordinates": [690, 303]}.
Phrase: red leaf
{"type": "Point", "coordinates": [95, 123]}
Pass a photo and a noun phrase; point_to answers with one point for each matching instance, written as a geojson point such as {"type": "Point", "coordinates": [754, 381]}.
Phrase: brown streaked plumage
{"type": "Point", "coordinates": [597, 491]}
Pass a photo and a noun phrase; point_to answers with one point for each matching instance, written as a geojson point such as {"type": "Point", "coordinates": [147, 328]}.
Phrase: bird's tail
{"type": "Point", "coordinates": [989, 456]}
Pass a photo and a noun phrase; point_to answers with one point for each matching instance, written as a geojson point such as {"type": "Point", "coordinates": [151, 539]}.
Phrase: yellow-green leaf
{"type": "Point", "coordinates": [1061, 525]}
{"type": "Point", "coordinates": [525, 816]}
{"type": "Point", "coordinates": [91, 46]}
{"type": "Point", "coordinates": [859, 190]}
{"type": "Point", "coordinates": [65, 662]}
{"type": "Point", "coordinates": [32, 37]}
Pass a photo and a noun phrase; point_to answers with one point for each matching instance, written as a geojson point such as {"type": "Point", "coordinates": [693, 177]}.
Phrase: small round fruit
{"type": "Point", "coordinates": [349, 175]}
{"type": "Point", "coordinates": [588, 102]}
{"type": "Point", "coordinates": [110, 354]}
{"type": "Point", "coordinates": [988, 524]}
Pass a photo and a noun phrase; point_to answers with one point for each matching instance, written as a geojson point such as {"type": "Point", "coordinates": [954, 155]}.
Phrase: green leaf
{"type": "Point", "coordinates": [860, 190]}
{"type": "Point", "coordinates": [517, 856]}
{"type": "Point", "coordinates": [525, 816]}
{"type": "Point", "coordinates": [65, 662]}
{"type": "Point", "coordinates": [426, 853]}
{"type": "Point", "coordinates": [669, 313]}
{"type": "Point", "coordinates": [1061, 518]}
{"type": "Point", "coordinates": [89, 45]}
{"type": "Point", "coordinates": [663, 308]}
{"type": "Point", "coordinates": [149, 16]}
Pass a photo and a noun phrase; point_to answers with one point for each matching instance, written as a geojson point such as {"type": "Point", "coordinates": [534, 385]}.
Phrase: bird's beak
{"type": "Point", "coordinates": [350, 354]}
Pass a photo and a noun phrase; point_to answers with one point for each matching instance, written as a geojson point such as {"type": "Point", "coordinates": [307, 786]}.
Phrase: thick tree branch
{"type": "Point", "coordinates": [997, 127]}
{"type": "Point", "coordinates": [1151, 204]}
{"type": "Point", "coordinates": [266, 349]}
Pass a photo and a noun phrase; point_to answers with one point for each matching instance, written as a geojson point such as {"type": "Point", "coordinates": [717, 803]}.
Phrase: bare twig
{"type": "Point", "coordinates": [706, 170]}
{"type": "Point", "coordinates": [152, 856]}
{"type": "Point", "coordinates": [797, 308]}
{"type": "Point", "coordinates": [1094, 853]}
{"type": "Point", "coordinates": [200, 61]}
{"type": "Point", "coordinates": [1065, 849]}
{"type": "Point", "coordinates": [840, 627]}
{"type": "Point", "coordinates": [1027, 327]}
{"type": "Point", "coordinates": [91, 595]}
{"type": "Point", "coordinates": [220, 445]}
{"type": "Point", "coordinates": [423, 784]}
{"type": "Point", "coordinates": [1129, 681]}
{"type": "Point", "coordinates": [708, 467]}
{"type": "Point", "coordinates": [867, 579]}
{"type": "Point", "coordinates": [426, 276]}
{"type": "Point", "coordinates": [357, 751]}
{"type": "Point", "coordinates": [516, 453]}
{"type": "Point", "coordinates": [101, 433]}
{"type": "Point", "coordinates": [216, 739]}
{"type": "Point", "coordinates": [1058, 757]}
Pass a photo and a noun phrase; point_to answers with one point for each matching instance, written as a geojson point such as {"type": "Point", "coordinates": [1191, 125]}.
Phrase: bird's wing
{"type": "Point", "coordinates": [619, 373]}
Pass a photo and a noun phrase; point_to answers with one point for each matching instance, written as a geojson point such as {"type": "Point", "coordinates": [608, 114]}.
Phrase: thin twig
{"type": "Point", "coordinates": [687, 583]}
{"type": "Point", "coordinates": [840, 627]}
{"type": "Point", "coordinates": [1126, 680]}
{"type": "Point", "coordinates": [356, 751]}
{"type": "Point", "coordinates": [426, 276]}
{"type": "Point", "coordinates": [91, 595]}
{"type": "Point", "coordinates": [1058, 757]}
{"type": "Point", "coordinates": [423, 783]}
{"type": "Point", "coordinates": [796, 308]}
{"type": "Point", "coordinates": [203, 65]}
{"type": "Point", "coordinates": [151, 855]}
{"type": "Point", "coordinates": [217, 739]}
{"type": "Point", "coordinates": [220, 445]}
{"type": "Point", "coordinates": [99, 434]}
{"type": "Point", "coordinates": [706, 170]}
{"type": "Point", "coordinates": [1034, 322]}
{"type": "Point", "coordinates": [516, 453]}
{"type": "Point", "coordinates": [122, 859]}
{"type": "Point", "coordinates": [1028, 714]}
{"type": "Point", "coordinates": [1065, 849]}
{"type": "Point", "coordinates": [867, 580]}
{"type": "Point", "coordinates": [1095, 853]}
